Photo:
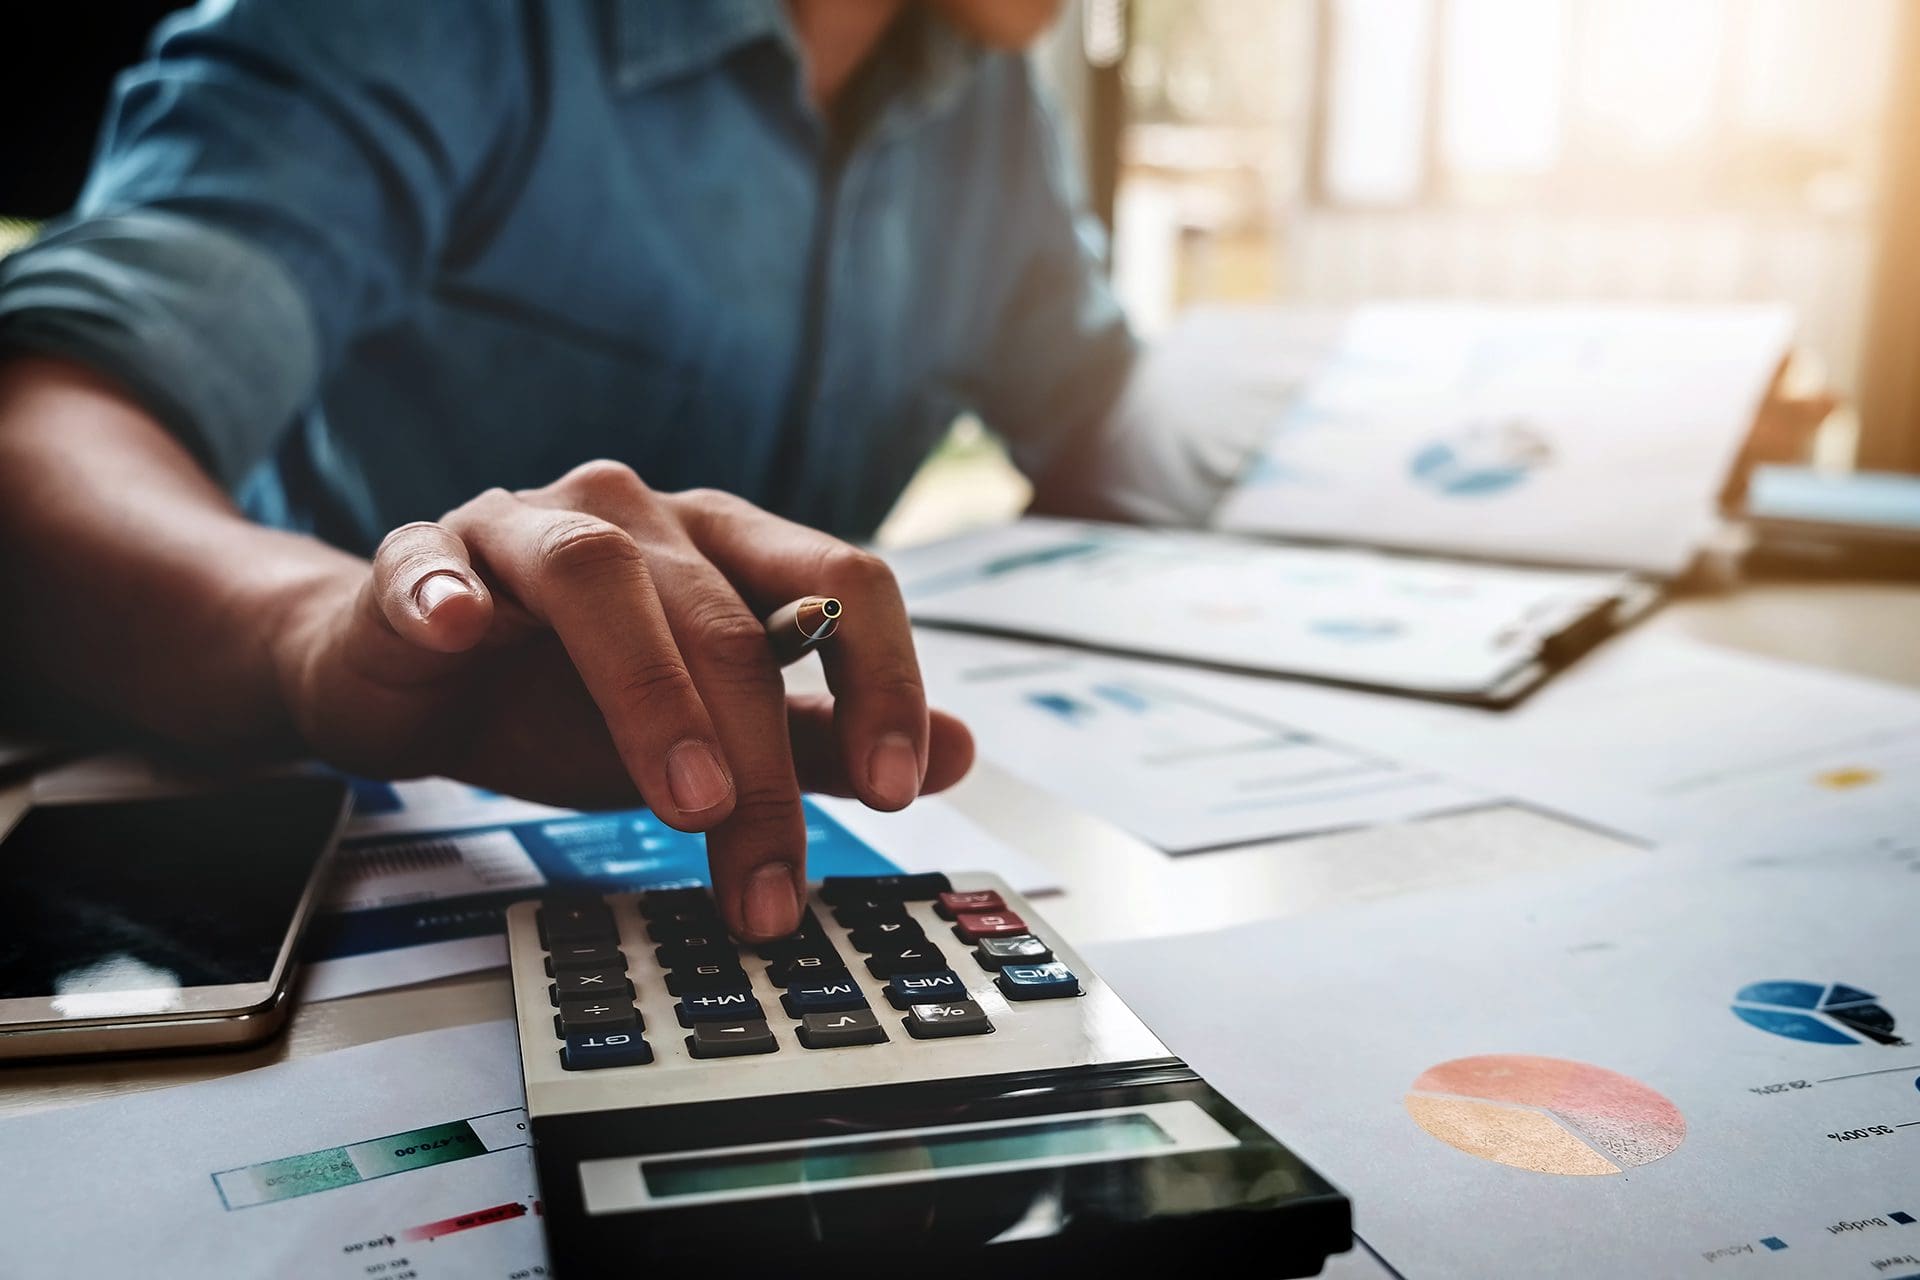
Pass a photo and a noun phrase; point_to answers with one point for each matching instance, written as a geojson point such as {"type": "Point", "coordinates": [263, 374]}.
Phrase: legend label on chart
{"type": "Point", "coordinates": [316, 1171]}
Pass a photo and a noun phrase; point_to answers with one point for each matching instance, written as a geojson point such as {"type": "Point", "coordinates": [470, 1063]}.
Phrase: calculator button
{"type": "Point", "coordinates": [823, 997]}
{"type": "Point", "coordinates": [908, 989]}
{"type": "Point", "coordinates": [952, 904]}
{"type": "Point", "coordinates": [1037, 981]}
{"type": "Point", "coordinates": [607, 1049]}
{"type": "Point", "coordinates": [730, 1039]}
{"type": "Point", "coordinates": [718, 1006]}
{"type": "Point", "coordinates": [685, 955]}
{"type": "Point", "coordinates": [931, 884]}
{"type": "Point", "coordinates": [808, 939]}
{"type": "Point", "coordinates": [576, 921]}
{"type": "Point", "coordinates": [677, 929]}
{"type": "Point", "coordinates": [588, 984]}
{"type": "Point", "coordinates": [857, 912]}
{"type": "Point", "coordinates": [577, 1016]}
{"type": "Point", "coordinates": [585, 955]}
{"type": "Point", "coordinates": [703, 979]}
{"type": "Point", "coordinates": [954, 1018]}
{"type": "Point", "coordinates": [836, 1030]}
{"type": "Point", "coordinates": [973, 926]}
{"type": "Point", "coordinates": [806, 969]}
{"type": "Point", "coordinates": [915, 957]}
{"type": "Point", "coordinates": [661, 902]}
{"type": "Point", "coordinates": [1020, 948]}
{"type": "Point", "coordinates": [886, 935]}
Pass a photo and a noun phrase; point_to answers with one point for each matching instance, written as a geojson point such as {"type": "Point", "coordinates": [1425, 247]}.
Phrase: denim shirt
{"type": "Point", "coordinates": [368, 259]}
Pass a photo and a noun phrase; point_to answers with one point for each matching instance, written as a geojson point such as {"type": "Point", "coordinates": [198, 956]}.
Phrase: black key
{"type": "Point", "coordinates": [606, 1049]}
{"type": "Point", "coordinates": [584, 955]}
{"type": "Point", "coordinates": [855, 913]}
{"type": "Point", "coordinates": [885, 935]}
{"type": "Point", "coordinates": [590, 984]}
{"type": "Point", "coordinates": [586, 1016]}
{"type": "Point", "coordinates": [904, 990]}
{"type": "Point", "coordinates": [1022, 948]}
{"type": "Point", "coordinates": [718, 1006]}
{"type": "Point", "coordinates": [836, 1030]}
{"type": "Point", "coordinates": [825, 996]}
{"type": "Point", "coordinates": [575, 921]}
{"type": "Point", "coordinates": [809, 939]}
{"type": "Point", "coordinates": [702, 979]}
{"type": "Point", "coordinates": [676, 929]}
{"type": "Point", "coordinates": [954, 1018]}
{"type": "Point", "coordinates": [806, 969]}
{"type": "Point", "coordinates": [1037, 981]}
{"type": "Point", "coordinates": [685, 955]}
{"type": "Point", "coordinates": [659, 902]}
{"type": "Point", "coordinates": [730, 1039]}
{"type": "Point", "coordinates": [915, 957]}
{"type": "Point", "coordinates": [913, 888]}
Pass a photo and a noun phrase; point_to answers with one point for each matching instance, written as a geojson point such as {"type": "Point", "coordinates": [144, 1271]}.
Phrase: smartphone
{"type": "Point", "coordinates": [167, 921]}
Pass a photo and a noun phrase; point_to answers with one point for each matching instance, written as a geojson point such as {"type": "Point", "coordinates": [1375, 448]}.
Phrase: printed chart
{"type": "Point", "coordinates": [1816, 1012]}
{"type": "Point", "coordinates": [1182, 770]}
{"type": "Point", "coordinates": [1545, 1114]}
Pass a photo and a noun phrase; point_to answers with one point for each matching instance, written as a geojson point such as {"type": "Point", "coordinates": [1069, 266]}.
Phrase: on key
{"type": "Point", "coordinates": [1037, 981]}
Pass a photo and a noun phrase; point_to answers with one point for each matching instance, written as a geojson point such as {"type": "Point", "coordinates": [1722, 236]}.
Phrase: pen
{"type": "Point", "coordinates": [796, 627]}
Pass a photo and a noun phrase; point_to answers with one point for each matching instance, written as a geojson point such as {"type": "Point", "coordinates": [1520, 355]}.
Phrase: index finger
{"type": "Point", "coordinates": [880, 705]}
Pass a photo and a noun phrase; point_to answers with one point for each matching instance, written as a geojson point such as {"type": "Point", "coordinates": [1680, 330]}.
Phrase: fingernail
{"type": "Point", "coordinates": [772, 907]}
{"type": "Point", "coordinates": [695, 777]}
{"type": "Point", "coordinates": [893, 770]}
{"type": "Point", "coordinates": [436, 589]}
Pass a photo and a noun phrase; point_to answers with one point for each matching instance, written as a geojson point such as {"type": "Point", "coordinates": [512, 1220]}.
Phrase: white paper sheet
{"type": "Point", "coordinates": [290, 1170]}
{"type": "Point", "coordinates": [1567, 435]}
{"type": "Point", "coordinates": [1145, 747]}
{"type": "Point", "coordinates": [1674, 1068]}
{"type": "Point", "coordinates": [1318, 612]}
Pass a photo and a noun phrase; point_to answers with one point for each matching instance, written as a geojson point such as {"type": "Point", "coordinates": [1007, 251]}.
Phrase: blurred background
{"type": "Point", "coordinates": [1323, 153]}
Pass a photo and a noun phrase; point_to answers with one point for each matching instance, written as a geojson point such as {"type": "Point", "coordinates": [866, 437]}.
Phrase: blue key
{"type": "Point", "coordinates": [605, 1049]}
{"type": "Point", "coordinates": [1037, 981]}
{"type": "Point", "coordinates": [713, 1006]}
{"type": "Point", "coordinates": [907, 989]}
{"type": "Point", "coordinates": [823, 997]}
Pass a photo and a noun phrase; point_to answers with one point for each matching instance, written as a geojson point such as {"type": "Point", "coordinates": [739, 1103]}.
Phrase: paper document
{"type": "Point", "coordinates": [428, 866]}
{"type": "Point", "coordinates": [1150, 749]}
{"type": "Point", "coordinates": [405, 1157]}
{"type": "Point", "coordinates": [1352, 616]}
{"type": "Point", "coordinates": [1566, 435]}
{"type": "Point", "coordinates": [1676, 1067]}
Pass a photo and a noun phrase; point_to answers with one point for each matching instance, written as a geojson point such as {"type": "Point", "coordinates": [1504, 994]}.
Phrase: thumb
{"type": "Point", "coordinates": [422, 606]}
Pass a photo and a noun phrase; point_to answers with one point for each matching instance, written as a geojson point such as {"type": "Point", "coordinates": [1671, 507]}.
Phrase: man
{"type": "Point", "coordinates": [294, 409]}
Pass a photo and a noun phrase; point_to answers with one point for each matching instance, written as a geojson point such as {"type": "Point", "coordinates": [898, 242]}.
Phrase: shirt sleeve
{"type": "Point", "coordinates": [279, 177]}
{"type": "Point", "coordinates": [1060, 347]}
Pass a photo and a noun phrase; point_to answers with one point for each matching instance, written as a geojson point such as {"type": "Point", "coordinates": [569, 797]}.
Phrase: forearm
{"type": "Point", "coordinates": [134, 586]}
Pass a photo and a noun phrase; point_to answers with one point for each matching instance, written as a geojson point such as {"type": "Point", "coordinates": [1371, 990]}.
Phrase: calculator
{"type": "Point", "coordinates": [925, 1079]}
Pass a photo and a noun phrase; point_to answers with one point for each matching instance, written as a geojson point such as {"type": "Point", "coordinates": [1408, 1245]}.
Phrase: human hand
{"type": "Point", "coordinates": [583, 641]}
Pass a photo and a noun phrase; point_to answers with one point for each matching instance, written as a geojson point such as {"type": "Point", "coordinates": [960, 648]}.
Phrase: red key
{"type": "Point", "coordinates": [952, 904]}
{"type": "Point", "coordinates": [973, 926]}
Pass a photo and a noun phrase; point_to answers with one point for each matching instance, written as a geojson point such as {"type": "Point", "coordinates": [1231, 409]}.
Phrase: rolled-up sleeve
{"type": "Point", "coordinates": [211, 334]}
{"type": "Point", "coordinates": [278, 178]}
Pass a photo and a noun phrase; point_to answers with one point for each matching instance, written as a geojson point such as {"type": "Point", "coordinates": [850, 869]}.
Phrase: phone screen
{"type": "Point", "coordinates": [170, 892]}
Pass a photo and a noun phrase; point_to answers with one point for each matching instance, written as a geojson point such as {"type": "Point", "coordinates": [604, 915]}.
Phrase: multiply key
{"type": "Point", "coordinates": [604, 984]}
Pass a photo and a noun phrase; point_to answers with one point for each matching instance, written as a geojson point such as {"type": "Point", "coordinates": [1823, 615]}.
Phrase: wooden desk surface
{"type": "Point", "coordinates": [1118, 886]}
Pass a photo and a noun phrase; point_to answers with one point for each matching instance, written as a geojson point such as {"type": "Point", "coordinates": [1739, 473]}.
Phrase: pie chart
{"type": "Point", "coordinates": [1817, 1012]}
{"type": "Point", "coordinates": [1548, 1115]}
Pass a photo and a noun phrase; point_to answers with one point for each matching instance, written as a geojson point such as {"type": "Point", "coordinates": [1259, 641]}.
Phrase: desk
{"type": "Point", "coordinates": [1118, 886]}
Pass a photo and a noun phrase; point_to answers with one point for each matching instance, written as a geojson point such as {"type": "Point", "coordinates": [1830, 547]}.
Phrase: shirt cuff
{"type": "Point", "coordinates": [208, 332]}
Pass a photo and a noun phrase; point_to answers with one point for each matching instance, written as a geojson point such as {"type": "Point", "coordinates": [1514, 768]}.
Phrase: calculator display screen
{"type": "Point", "coordinates": [162, 894]}
{"type": "Point", "coordinates": [1052, 1139]}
